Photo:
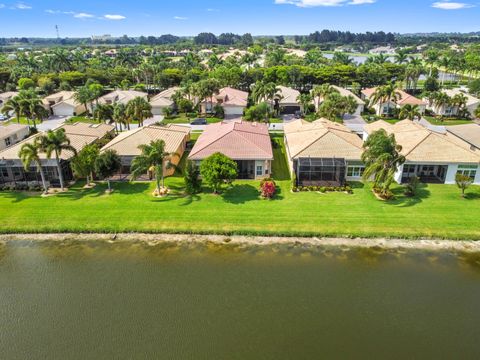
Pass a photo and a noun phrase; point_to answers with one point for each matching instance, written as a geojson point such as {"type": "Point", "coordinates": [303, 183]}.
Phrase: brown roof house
{"type": "Point", "coordinates": [323, 152]}
{"type": "Point", "coordinates": [247, 143]}
{"type": "Point", "coordinates": [126, 144]}
{"type": "Point", "coordinates": [63, 103]}
{"type": "Point", "coordinates": [232, 101]}
{"type": "Point", "coordinates": [432, 156]}
{"type": "Point", "coordinates": [403, 99]}
{"type": "Point", "coordinates": [4, 97]}
{"type": "Point", "coordinates": [163, 100]}
{"type": "Point", "coordinates": [80, 135]}
{"type": "Point", "coordinates": [12, 134]}
{"type": "Point", "coordinates": [467, 132]}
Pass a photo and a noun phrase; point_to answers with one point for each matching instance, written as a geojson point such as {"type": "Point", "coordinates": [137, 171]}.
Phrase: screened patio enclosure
{"type": "Point", "coordinates": [320, 171]}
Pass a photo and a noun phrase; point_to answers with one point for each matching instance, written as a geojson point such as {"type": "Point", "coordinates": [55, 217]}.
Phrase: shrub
{"type": "Point", "coordinates": [219, 111]}
{"type": "Point", "coordinates": [192, 178]}
{"type": "Point", "coordinates": [268, 189]}
{"type": "Point", "coordinates": [412, 186]}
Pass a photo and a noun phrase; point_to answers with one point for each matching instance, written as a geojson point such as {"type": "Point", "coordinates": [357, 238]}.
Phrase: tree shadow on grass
{"type": "Point", "coordinates": [472, 196]}
{"type": "Point", "coordinates": [77, 192]}
{"type": "Point", "coordinates": [240, 194]}
{"type": "Point", "coordinates": [189, 199]}
{"type": "Point", "coordinates": [18, 196]}
{"type": "Point", "coordinates": [401, 200]}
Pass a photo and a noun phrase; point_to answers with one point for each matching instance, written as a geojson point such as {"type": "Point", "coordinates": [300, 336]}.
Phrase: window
{"type": "Point", "coordinates": [259, 170]}
{"type": "Point", "coordinates": [4, 172]}
{"type": "Point", "coordinates": [355, 171]}
{"type": "Point", "coordinates": [468, 170]}
{"type": "Point", "coordinates": [409, 169]}
{"type": "Point", "coordinates": [7, 142]}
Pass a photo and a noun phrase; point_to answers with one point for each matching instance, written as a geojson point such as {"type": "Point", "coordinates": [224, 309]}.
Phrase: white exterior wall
{"type": "Point", "coordinates": [158, 110]}
{"type": "Point", "coordinates": [398, 174]}
{"type": "Point", "coordinates": [451, 173]}
{"type": "Point", "coordinates": [233, 110]}
{"type": "Point", "coordinates": [63, 110]}
{"type": "Point", "coordinates": [266, 168]}
{"type": "Point", "coordinates": [477, 177]}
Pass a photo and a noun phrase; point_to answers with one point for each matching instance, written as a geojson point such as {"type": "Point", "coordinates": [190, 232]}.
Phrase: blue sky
{"type": "Point", "coordinates": [187, 17]}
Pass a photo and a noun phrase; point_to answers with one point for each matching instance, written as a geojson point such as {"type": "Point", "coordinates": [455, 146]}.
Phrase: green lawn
{"type": "Point", "coordinates": [183, 119]}
{"type": "Point", "coordinates": [23, 121]}
{"type": "Point", "coordinates": [447, 122]}
{"type": "Point", "coordinates": [438, 210]}
{"type": "Point", "coordinates": [83, 119]}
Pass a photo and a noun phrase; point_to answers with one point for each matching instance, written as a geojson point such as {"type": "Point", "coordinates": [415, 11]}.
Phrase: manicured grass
{"type": "Point", "coordinates": [438, 211]}
{"type": "Point", "coordinates": [82, 119]}
{"type": "Point", "coordinates": [23, 121]}
{"type": "Point", "coordinates": [183, 119]}
{"type": "Point", "coordinates": [447, 122]}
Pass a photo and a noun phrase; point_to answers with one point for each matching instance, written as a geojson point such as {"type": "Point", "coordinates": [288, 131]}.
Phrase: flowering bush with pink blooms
{"type": "Point", "coordinates": [268, 188]}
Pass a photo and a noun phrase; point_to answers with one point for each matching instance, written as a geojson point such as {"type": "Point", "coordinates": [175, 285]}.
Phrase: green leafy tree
{"type": "Point", "coordinates": [104, 112]}
{"type": "Point", "coordinates": [385, 95]}
{"type": "Point", "coordinates": [382, 158]}
{"type": "Point", "coordinates": [55, 142]}
{"type": "Point", "coordinates": [305, 100]}
{"type": "Point", "coordinates": [107, 164]}
{"type": "Point", "coordinates": [83, 95]}
{"type": "Point", "coordinates": [30, 153]}
{"type": "Point", "coordinates": [152, 159]}
{"type": "Point", "coordinates": [191, 177]}
{"type": "Point", "coordinates": [83, 165]}
{"type": "Point", "coordinates": [120, 116]}
{"type": "Point", "coordinates": [26, 84]}
{"type": "Point", "coordinates": [13, 105]}
{"type": "Point", "coordinates": [218, 169]}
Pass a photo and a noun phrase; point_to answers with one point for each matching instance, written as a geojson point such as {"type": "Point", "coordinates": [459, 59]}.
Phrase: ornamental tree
{"type": "Point", "coordinates": [218, 169]}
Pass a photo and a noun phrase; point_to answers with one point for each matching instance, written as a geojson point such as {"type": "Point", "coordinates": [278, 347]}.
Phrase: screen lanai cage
{"type": "Point", "coordinates": [320, 171]}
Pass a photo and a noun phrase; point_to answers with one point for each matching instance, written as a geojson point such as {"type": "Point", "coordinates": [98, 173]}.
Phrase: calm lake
{"type": "Point", "coordinates": [134, 301]}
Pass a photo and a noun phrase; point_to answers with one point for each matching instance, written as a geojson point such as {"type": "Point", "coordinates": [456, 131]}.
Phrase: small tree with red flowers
{"type": "Point", "coordinates": [268, 188]}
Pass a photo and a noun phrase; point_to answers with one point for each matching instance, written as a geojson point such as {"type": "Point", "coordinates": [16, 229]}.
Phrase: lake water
{"type": "Point", "coordinates": [134, 301]}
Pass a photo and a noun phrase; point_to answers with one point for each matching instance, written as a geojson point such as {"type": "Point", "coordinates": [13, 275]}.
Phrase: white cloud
{"type": "Point", "coordinates": [21, 6]}
{"type": "Point", "coordinates": [180, 18]}
{"type": "Point", "coordinates": [314, 3]}
{"type": "Point", "coordinates": [451, 5]}
{"type": "Point", "coordinates": [83, 16]}
{"type": "Point", "coordinates": [2, 6]}
{"type": "Point", "coordinates": [114, 17]}
{"type": "Point", "coordinates": [213, 10]}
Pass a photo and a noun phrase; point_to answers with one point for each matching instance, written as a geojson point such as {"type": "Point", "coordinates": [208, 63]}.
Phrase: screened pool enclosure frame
{"type": "Point", "coordinates": [320, 171]}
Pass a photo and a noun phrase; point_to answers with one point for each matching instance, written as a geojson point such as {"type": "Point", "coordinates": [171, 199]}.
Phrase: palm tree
{"type": "Point", "coordinates": [55, 142]}
{"type": "Point", "coordinates": [382, 158]}
{"type": "Point", "coordinates": [305, 100]}
{"type": "Point", "coordinates": [445, 62]}
{"type": "Point", "coordinates": [342, 58]}
{"type": "Point", "coordinates": [83, 96]}
{"type": "Point", "coordinates": [441, 100]}
{"type": "Point", "coordinates": [32, 106]}
{"type": "Point", "coordinates": [104, 112]}
{"type": "Point", "coordinates": [13, 104]}
{"type": "Point", "coordinates": [139, 109]}
{"type": "Point", "coordinates": [120, 117]}
{"type": "Point", "coordinates": [152, 159]}
{"type": "Point", "coordinates": [459, 101]}
{"type": "Point", "coordinates": [410, 112]}
{"type": "Point", "coordinates": [401, 57]}
{"type": "Point", "coordinates": [30, 152]}
{"type": "Point", "coordinates": [385, 94]}
{"type": "Point", "coordinates": [321, 92]}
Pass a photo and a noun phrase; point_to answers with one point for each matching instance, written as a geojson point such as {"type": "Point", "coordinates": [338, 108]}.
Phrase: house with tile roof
{"type": "Point", "coordinates": [12, 134]}
{"type": "Point", "coordinates": [472, 103]}
{"type": "Point", "coordinates": [79, 134]}
{"type": "Point", "coordinates": [382, 108]}
{"type": "Point", "coordinates": [344, 92]}
{"type": "Point", "coordinates": [232, 101]}
{"type": "Point", "coordinates": [432, 156]}
{"type": "Point", "coordinates": [63, 103]}
{"type": "Point", "coordinates": [467, 132]}
{"type": "Point", "coordinates": [127, 143]}
{"type": "Point", "coordinates": [323, 153]}
{"type": "Point", "coordinates": [121, 97]}
{"type": "Point", "coordinates": [286, 101]}
{"type": "Point", "coordinates": [163, 100]}
{"type": "Point", "coordinates": [4, 97]}
{"type": "Point", "coordinates": [247, 143]}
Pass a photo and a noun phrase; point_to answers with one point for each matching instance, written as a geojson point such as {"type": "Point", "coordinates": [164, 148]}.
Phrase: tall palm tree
{"type": "Point", "coordinates": [83, 96]}
{"type": "Point", "coordinates": [410, 112]}
{"type": "Point", "coordinates": [441, 100]}
{"type": "Point", "coordinates": [30, 153]}
{"type": "Point", "coordinates": [104, 112]}
{"type": "Point", "coordinates": [32, 106]}
{"type": "Point", "coordinates": [152, 159]}
{"type": "Point", "coordinates": [13, 104]}
{"type": "Point", "coordinates": [445, 62]}
{"type": "Point", "coordinates": [54, 142]}
{"type": "Point", "coordinates": [321, 92]}
{"type": "Point", "coordinates": [139, 109]}
{"type": "Point", "coordinates": [342, 58]}
{"type": "Point", "coordinates": [120, 116]}
{"type": "Point", "coordinates": [385, 94]}
{"type": "Point", "coordinates": [401, 57]}
{"type": "Point", "coordinates": [305, 100]}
